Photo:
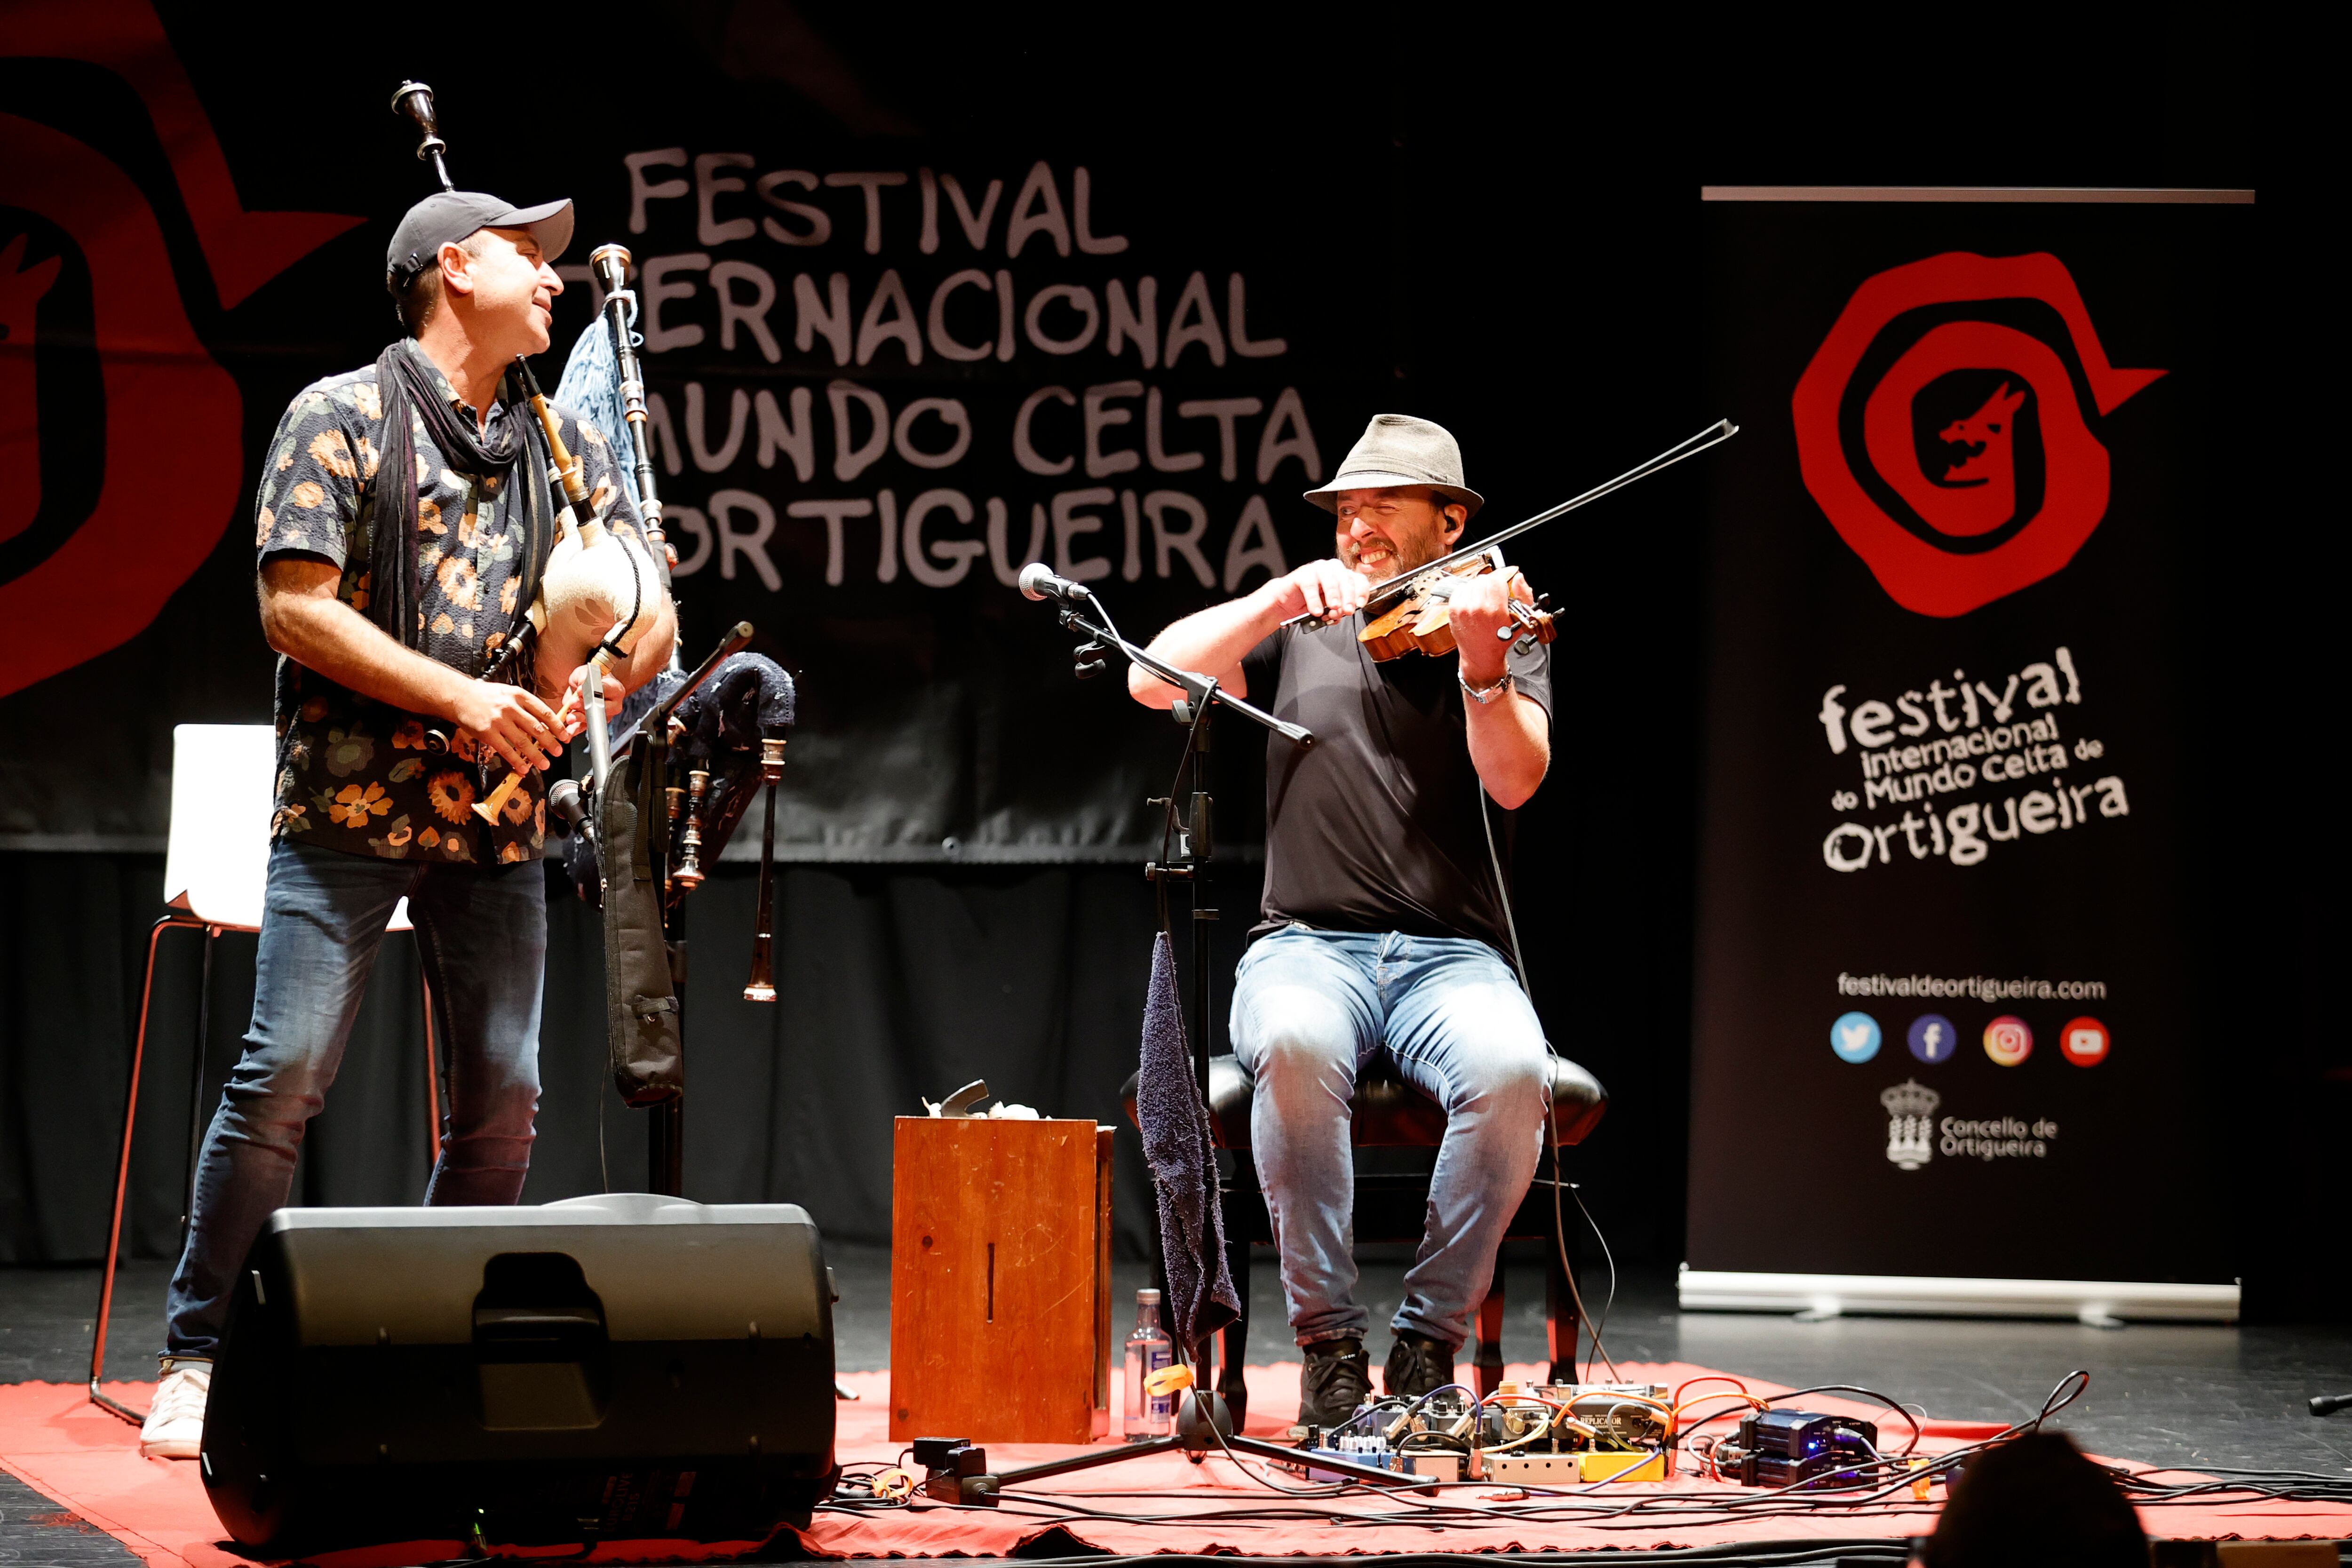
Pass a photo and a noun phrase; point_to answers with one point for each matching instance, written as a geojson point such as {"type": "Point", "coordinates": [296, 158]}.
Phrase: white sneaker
{"type": "Point", "coordinates": [175, 1422]}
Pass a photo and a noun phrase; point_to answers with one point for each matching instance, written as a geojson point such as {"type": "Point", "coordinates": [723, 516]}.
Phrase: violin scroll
{"type": "Point", "coordinates": [1537, 619]}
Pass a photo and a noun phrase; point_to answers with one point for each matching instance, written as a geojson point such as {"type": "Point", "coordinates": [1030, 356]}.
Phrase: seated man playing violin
{"type": "Point", "coordinates": [1384, 926]}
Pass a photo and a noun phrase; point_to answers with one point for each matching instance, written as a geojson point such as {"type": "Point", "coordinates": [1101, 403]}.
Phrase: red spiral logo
{"type": "Point", "coordinates": [1941, 426]}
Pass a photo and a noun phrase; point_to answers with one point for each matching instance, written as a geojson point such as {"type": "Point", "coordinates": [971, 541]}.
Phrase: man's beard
{"type": "Point", "coordinates": [1405, 557]}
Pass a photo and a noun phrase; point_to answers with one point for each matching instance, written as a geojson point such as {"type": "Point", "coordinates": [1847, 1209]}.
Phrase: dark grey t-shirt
{"type": "Point", "coordinates": [1375, 828]}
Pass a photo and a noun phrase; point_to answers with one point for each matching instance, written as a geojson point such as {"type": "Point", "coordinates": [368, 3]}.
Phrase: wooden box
{"type": "Point", "coordinates": [1000, 1280]}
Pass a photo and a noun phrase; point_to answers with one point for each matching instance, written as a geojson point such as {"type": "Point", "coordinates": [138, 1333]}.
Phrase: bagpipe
{"type": "Point", "coordinates": [637, 838]}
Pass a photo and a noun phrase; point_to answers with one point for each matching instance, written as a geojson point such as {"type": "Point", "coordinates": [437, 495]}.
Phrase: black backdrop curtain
{"type": "Point", "coordinates": [894, 986]}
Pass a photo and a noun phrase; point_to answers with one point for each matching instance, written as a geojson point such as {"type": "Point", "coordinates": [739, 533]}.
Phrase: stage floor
{"type": "Point", "coordinates": [2183, 1395]}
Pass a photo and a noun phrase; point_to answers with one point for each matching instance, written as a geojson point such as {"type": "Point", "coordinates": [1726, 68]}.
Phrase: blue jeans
{"type": "Point", "coordinates": [1310, 1007]}
{"type": "Point", "coordinates": [482, 934]}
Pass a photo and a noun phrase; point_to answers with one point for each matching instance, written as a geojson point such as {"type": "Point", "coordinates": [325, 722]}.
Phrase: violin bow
{"type": "Point", "coordinates": [1714, 435]}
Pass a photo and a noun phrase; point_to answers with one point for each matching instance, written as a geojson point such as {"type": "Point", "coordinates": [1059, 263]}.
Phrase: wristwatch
{"type": "Point", "coordinates": [1485, 694]}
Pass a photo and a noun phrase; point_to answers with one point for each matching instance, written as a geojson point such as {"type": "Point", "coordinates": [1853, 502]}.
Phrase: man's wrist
{"type": "Point", "coordinates": [1477, 680]}
{"type": "Point", "coordinates": [1486, 688]}
{"type": "Point", "coordinates": [451, 698]}
{"type": "Point", "coordinates": [1265, 603]}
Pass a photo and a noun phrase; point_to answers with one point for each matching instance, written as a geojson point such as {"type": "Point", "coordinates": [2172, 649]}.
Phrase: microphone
{"type": "Point", "coordinates": [1038, 582]}
{"type": "Point", "coordinates": [563, 795]}
{"type": "Point", "coordinates": [2329, 1403]}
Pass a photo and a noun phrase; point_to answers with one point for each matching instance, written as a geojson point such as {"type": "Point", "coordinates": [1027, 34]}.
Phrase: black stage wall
{"type": "Point", "coordinates": [1491, 221]}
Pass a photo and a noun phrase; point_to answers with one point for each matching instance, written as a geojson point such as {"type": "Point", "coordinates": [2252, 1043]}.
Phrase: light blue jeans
{"type": "Point", "coordinates": [483, 934]}
{"type": "Point", "coordinates": [1310, 1007]}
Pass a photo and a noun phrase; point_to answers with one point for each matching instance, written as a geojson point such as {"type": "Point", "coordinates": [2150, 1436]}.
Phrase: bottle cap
{"type": "Point", "coordinates": [1147, 1298]}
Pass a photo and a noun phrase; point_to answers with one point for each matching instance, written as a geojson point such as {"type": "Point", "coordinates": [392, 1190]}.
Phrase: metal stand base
{"type": "Point", "coordinates": [1199, 1434]}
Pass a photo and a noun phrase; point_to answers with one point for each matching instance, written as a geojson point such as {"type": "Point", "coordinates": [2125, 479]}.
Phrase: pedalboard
{"type": "Point", "coordinates": [1541, 1435]}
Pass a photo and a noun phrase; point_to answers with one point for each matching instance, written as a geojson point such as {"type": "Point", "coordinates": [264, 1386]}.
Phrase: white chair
{"type": "Point", "coordinates": [215, 871]}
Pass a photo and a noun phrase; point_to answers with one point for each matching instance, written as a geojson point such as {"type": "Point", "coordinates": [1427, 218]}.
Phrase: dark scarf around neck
{"type": "Point", "coordinates": [518, 456]}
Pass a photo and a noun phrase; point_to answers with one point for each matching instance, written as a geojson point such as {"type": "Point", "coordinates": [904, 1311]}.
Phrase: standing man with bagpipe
{"type": "Point", "coordinates": [404, 521]}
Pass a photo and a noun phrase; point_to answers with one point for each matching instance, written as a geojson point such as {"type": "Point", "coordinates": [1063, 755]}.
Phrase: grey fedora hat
{"type": "Point", "coordinates": [1398, 450]}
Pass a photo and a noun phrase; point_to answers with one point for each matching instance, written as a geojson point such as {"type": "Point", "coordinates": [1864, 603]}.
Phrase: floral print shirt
{"type": "Point", "coordinates": [354, 774]}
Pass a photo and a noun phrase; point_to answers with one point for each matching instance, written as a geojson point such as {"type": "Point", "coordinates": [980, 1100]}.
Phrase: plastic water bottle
{"type": "Point", "coordinates": [1148, 1349]}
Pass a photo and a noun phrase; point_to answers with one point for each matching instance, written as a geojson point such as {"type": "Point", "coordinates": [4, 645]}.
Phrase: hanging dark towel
{"type": "Point", "coordinates": [1175, 1124]}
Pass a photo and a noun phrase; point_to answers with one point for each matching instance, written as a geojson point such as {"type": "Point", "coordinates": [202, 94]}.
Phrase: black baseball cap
{"type": "Point", "coordinates": [448, 218]}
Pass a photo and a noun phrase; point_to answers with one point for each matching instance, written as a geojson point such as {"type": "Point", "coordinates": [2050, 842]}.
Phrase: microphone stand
{"type": "Point", "coordinates": [1192, 835]}
{"type": "Point", "coordinates": [666, 1124]}
{"type": "Point", "coordinates": [646, 778]}
{"type": "Point", "coordinates": [1206, 1422]}
{"type": "Point", "coordinates": [1187, 849]}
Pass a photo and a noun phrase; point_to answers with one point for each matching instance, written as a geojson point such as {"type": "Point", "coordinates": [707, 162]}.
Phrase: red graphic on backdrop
{"type": "Point", "coordinates": [172, 421]}
{"type": "Point", "coordinates": [1979, 491]}
{"type": "Point", "coordinates": [244, 250]}
{"type": "Point", "coordinates": [2000, 489]}
{"type": "Point", "coordinates": [22, 289]}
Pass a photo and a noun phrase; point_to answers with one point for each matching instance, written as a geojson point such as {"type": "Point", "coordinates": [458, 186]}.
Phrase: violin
{"type": "Point", "coordinates": [1421, 621]}
{"type": "Point", "coordinates": [1409, 613]}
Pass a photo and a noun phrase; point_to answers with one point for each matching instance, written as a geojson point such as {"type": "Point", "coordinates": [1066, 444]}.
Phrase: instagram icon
{"type": "Point", "coordinates": [2008, 1040]}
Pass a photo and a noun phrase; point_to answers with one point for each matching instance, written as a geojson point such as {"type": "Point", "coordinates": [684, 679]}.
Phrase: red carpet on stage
{"type": "Point", "coordinates": [52, 1439]}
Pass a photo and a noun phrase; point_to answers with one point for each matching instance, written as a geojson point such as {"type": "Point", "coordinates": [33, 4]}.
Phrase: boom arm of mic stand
{"type": "Point", "coordinates": [600, 744]}
{"type": "Point", "coordinates": [737, 640]}
{"type": "Point", "coordinates": [1197, 686]}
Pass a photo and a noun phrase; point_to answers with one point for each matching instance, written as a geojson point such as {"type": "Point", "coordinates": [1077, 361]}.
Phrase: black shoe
{"type": "Point", "coordinates": [1337, 1377]}
{"type": "Point", "coordinates": [1417, 1363]}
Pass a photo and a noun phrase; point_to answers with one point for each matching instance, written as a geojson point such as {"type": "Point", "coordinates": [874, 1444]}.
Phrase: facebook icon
{"type": "Point", "coordinates": [1933, 1038]}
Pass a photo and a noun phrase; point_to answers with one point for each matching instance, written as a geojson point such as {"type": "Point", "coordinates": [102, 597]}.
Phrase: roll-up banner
{"type": "Point", "coordinates": [1944, 1048]}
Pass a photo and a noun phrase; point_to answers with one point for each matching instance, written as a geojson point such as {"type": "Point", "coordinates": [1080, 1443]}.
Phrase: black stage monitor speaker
{"type": "Point", "coordinates": [624, 1367]}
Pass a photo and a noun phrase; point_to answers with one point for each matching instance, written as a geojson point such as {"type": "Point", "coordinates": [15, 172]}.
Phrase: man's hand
{"type": "Point", "coordinates": [511, 721]}
{"type": "Point", "coordinates": [572, 717]}
{"type": "Point", "coordinates": [1478, 613]}
{"type": "Point", "coordinates": [1322, 588]}
{"type": "Point", "coordinates": [1214, 641]}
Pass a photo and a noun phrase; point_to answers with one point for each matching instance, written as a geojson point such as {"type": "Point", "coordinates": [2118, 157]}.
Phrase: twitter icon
{"type": "Point", "coordinates": [1854, 1037]}
{"type": "Point", "coordinates": [1933, 1038]}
